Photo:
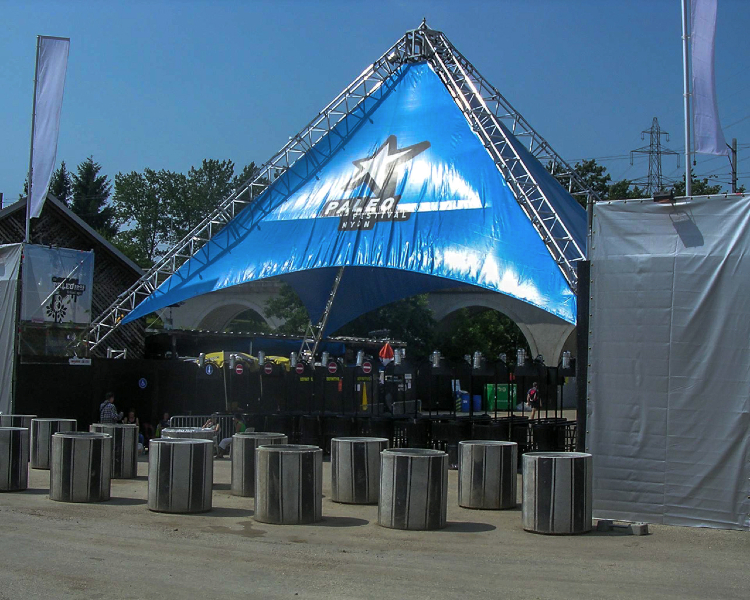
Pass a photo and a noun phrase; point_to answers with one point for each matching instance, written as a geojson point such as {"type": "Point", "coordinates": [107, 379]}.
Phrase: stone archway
{"type": "Point", "coordinates": [546, 334]}
{"type": "Point", "coordinates": [214, 311]}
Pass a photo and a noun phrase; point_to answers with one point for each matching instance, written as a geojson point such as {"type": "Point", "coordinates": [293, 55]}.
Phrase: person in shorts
{"type": "Point", "coordinates": [533, 400]}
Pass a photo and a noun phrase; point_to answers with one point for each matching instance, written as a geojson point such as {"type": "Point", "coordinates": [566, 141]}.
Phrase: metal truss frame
{"type": "Point", "coordinates": [484, 109]}
{"type": "Point", "coordinates": [493, 118]}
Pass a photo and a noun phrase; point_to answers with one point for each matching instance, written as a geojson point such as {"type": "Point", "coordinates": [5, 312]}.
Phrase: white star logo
{"type": "Point", "coordinates": [376, 171]}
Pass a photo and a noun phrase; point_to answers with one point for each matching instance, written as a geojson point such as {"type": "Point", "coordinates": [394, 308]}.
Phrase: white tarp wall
{"type": "Point", "coordinates": [10, 260]}
{"type": "Point", "coordinates": [57, 285]}
{"type": "Point", "coordinates": [669, 407]}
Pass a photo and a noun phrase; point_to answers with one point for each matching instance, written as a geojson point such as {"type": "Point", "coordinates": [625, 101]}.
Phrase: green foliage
{"type": "Point", "coordinates": [90, 194]}
{"type": "Point", "coordinates": [61, 186]}
{"type": "Point", "coordinates": [141, 203]}
{"type": "Point", "coordinates": [25, 192]}
{"type": "Point", "coordinates": [621, 190]}
{"type": "Point", "coordinates": [202, 191]}
{"type": "Point", "coordinates": [288, 307]}
{"type": "Point", "coordinates": [700, 187]}
{"type": "Point", "coordinates": [248, 321]}
{"type": "Point", "coordinates": [485, 330]}
{"type": "Point", "coordinates": [409, 320]}
{"type": "Point", "coordinates": [594, 176]}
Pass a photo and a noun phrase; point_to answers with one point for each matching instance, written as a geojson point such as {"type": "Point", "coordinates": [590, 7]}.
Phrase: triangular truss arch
{"type": "Point", "coordinates": [505, 134]}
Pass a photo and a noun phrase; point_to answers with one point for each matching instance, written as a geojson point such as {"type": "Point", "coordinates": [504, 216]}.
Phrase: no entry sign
{"type": "Point", "coordinates": [333, 367]}
{"type": "Point", "coordinates": [268, 368]}
{"type": "Point", "coordinates": [367, 367]}
{"type": "Point", "coordinates": [300, 368]}
{"type": "Point", "coordinates": [239, 369]}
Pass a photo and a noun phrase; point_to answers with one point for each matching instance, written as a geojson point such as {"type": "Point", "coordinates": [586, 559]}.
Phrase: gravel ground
{"type": "Point", "coordinates": [119, 549]}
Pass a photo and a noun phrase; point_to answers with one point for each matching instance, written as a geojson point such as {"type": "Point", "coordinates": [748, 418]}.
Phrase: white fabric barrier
{"type": "Point", "coordinates": [669, 412]}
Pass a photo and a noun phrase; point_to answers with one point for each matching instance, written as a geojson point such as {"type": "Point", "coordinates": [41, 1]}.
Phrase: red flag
{"type": "Point", "coordinates": [386, 352]}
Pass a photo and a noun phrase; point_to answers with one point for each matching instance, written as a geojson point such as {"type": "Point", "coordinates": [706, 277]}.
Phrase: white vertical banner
{"type": "Point", "coordinates": [52, 64]}
{"type": "Point", "coordinates": [709, 139]}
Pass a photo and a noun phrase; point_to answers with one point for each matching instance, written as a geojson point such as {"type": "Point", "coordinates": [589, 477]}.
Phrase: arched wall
{"type": "Point", "coordinates": [214, 311]}
{"type": "Point", "coordinates": [546, 334]}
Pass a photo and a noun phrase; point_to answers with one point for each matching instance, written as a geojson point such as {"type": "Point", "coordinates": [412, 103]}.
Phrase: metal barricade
{"type": "Point", "coordinates": [226, 425]}
{"type": "Point", "coordinates": [188, 420]}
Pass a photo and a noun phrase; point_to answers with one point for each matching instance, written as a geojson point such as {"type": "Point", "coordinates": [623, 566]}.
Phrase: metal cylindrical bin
{"type": "Point", "coordinates": [80, 467]}
{"type": "Point", "coordinates": [244, 448]}
{"type": "Point", "coordinates": [180, 475]}
{"type": "Point", "coordinates": [124, 448]}
{"type": "Point", "coordinates": [557, 492]}
{"type": "Point", "coordinates": [413, 489]}
{"type": "Point", "coordinates": [19, 421]}
{"type": "Point", "coordinates": [14, 459]}
{"type": "Point", "coordinates": [42, 431]}
{"type": "Point", "coordinates": [289, 484]}
{"type": "Point", "coordinates": [487, 474]}
{"type": "Point", "coordinates": [355, 469]}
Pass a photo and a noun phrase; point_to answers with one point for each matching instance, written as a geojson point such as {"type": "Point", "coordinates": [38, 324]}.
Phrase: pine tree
{"type": "Point", "coordinates": [90, 194]}
{"type": "Point", "coordinates": [61, 187]}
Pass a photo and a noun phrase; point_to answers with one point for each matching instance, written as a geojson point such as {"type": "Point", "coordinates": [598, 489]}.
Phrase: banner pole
{"type": "Point", "coordinates": [686, 95]}
{"type": "Point", "coordinates": [31, 152]}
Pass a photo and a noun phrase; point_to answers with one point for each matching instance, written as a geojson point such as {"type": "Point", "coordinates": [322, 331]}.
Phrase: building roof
{"type": "Point", "coordinates": [55, 204]}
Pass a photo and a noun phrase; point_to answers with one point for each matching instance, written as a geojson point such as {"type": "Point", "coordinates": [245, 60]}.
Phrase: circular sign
{"type": "Point", "coordinates": [268, 368]}
{"type": "Point", "coordinates": [209, 369]}
{"type": "Point", "coordinates": [300, 368]}
{"type": "Point", "coordinates": [333, 367]}
{"type": "Point", "coordinates": [367, 367]}
{"type": "Point", "coordinates": [239, 369]}
{"type": "Point", "coordinates": [142, 383]}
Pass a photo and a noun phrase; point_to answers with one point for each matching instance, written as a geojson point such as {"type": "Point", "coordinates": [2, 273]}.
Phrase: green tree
{"type": "Point", "coordinates": [700, 187]}
{"type": "Point", "coordinates": [484, 330]}
{"type": "Point", "coordinates": [204, 189]}
{"type": "Point", "coordinates": [142, 214]}
{"type": "Point", "coordinates": [288, 307]}
{"type": "Point", "coordinates": [593, 175]}
{"type": "Point", "coordinates": [22, 195]}
{"type": "Point", "coordinates": [61, 186]}
{"type": "Point", "coordinates": [409, 320]}
{"type": "Point", "coordinates": [90, 195]}
{"type": "Point", "coordinates": [621, 190]}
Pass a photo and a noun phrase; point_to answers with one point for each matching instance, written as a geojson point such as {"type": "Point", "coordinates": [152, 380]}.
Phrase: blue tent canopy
{"type": "Point", "coordinates": [407, 199]}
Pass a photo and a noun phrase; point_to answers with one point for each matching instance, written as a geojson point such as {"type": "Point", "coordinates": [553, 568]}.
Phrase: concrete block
{"type": "Point", "coordinates": [355, 469]}
{"type": "Point", "coordinates": [289, 484]}
{"type": "Point", "coordinates": [14, 459]}
{"type": "Point", "coordinates": [42, 431]}
{"type": "Point", "coordinates": [244, 449]}
{"type": "Point", "coordinates": [413, 489]}
{"type": "Point", "coordinates": [487, 474]}
{"type": "Point", "coordinates": [557, 492]}
{"type": "Point", "coordinates": [124, 448]}
{"type": "Point", "coordinates": [180, 475]}
{"type": "Point", "coordinates": [80, 468]}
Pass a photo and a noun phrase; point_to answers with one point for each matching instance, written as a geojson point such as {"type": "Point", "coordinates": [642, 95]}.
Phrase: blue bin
{"type": "Point", "coordinates": [477, 403]}
{"type": "Point", "coordinates": [464, 402]}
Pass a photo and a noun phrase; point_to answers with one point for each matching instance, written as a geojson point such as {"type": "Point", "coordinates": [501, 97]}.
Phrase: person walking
{"type": "Point", "coordinates": [108, 411]}
{"type": "Point", "coordinates": [533, 400]}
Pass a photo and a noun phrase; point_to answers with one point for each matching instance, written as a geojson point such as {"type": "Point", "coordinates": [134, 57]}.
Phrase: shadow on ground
{"type": "Point", "coordinates": [467, 527]}
{"type": "Point", "coordinates": [330, 521]}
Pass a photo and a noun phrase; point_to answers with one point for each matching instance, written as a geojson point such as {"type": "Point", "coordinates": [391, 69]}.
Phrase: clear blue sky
{"type": "Point", "coordinates": [164, 84]}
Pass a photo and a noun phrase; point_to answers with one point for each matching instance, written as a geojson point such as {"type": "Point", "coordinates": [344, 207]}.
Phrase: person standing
{"type": "Point", "coordinates": [108, 411]}
{"type": "Point", "coordinates": [533, 400]}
